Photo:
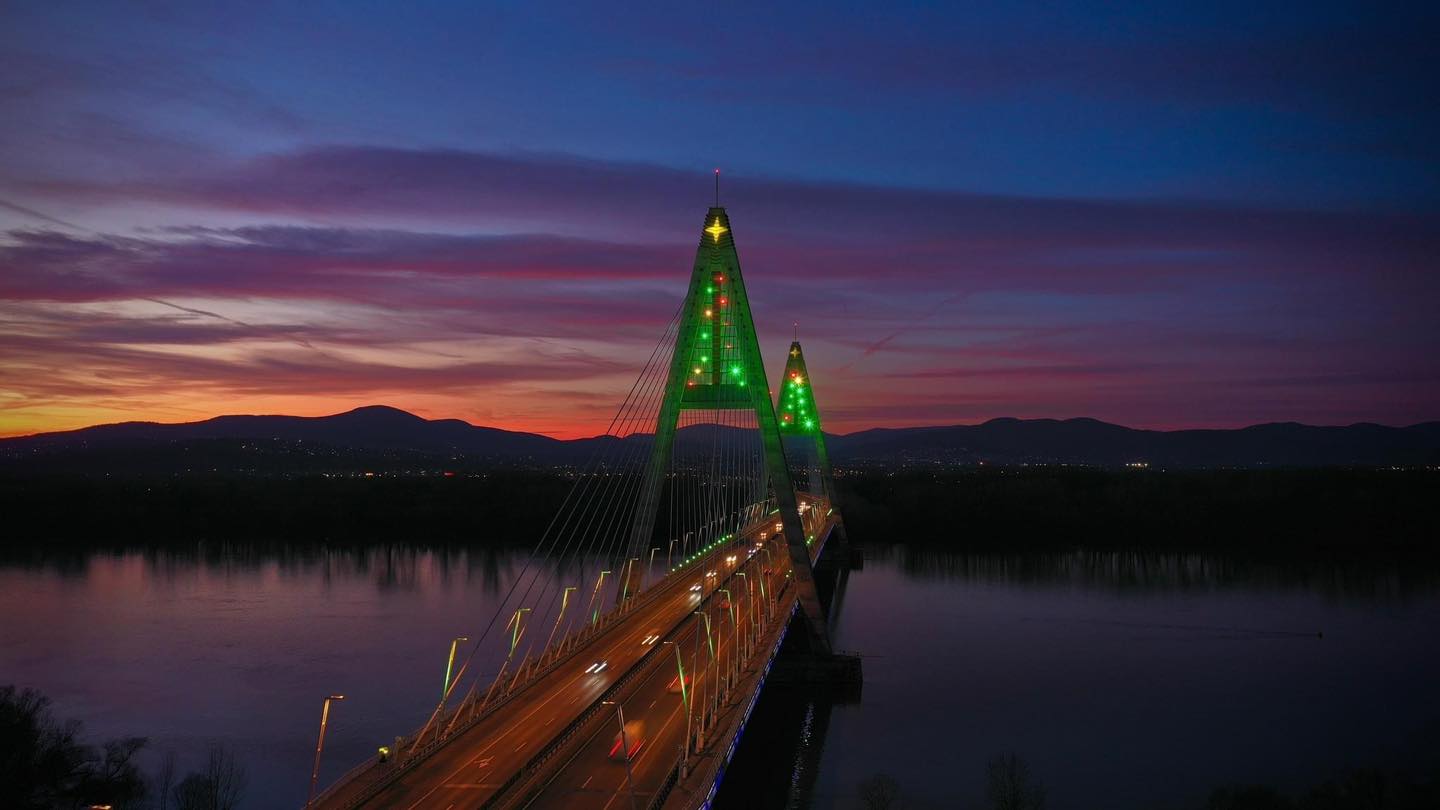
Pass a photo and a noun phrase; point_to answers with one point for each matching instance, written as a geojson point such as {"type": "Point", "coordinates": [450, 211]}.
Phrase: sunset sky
{"type": "Point", "coordinates": [1162, 215]}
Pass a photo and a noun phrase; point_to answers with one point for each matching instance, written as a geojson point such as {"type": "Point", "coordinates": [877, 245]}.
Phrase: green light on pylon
{"type": "Point", "coordinates": [798, 400]}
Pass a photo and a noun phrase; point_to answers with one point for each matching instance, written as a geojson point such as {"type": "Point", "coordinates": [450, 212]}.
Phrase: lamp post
{"type": "Point", "coordinates": [734, 634]}
{"type": "Point", "coordinates": [749, 606]}
{"type": "Point", "coordinates": [564, 603]}
{"type": "Point", "coordinates": [685, 700]}
{"type": "Point", "coordinates": [320, 746]}
{"type": "Point", "coordinates": [595, 615]}
{"type": "Point", "coordinates": [624, 751]}
{"type": "Point", "coordinates": [771, 566]}
{"type": "Point", "coordinates": [669, 552]}
{"type": "Point", "coordinates": [516, 632]}
{"type": "Point", "coordinates": [695, 664]}
{"type": "Point", "coordinates": [449, 664]}
{"type": "Point", "coordinates": [629, 577]}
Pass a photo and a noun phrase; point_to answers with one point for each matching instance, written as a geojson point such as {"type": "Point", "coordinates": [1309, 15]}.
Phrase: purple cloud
{"type": "Point", "coordinates": [1155, 312]}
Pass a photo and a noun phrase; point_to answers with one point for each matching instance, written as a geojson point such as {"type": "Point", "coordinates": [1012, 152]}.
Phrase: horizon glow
{"type": "Point", "coordinates": [1160, 216]}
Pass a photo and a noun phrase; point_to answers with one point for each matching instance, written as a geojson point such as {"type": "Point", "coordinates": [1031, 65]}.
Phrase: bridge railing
{"type": "Point", "coordinates": [712, 775]}
{"type": "Point", "coordinates": [570, 646]}
{"type": "Point", "coordinates": [403, 764]}
{"type": "Point", "coordinates": [532, 770]}
{"type": "Point", "coordinates": [663, 792]}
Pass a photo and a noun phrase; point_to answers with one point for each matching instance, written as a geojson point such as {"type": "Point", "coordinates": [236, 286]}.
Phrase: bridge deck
{"type": "Point", "coordinates": [592, 777]}
{"type": "Point", "coordinates": [479, 765]}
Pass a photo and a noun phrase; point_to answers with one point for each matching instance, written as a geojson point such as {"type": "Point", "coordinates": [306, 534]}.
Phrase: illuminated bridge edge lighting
{"type": "Point", "coordinates": [749, 707]}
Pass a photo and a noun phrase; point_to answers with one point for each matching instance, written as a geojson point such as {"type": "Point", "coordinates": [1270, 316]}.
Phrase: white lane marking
{"type": "Point", "coordinates": [505, 731]}
{"type": "Point", "coordinates": [564, 689]}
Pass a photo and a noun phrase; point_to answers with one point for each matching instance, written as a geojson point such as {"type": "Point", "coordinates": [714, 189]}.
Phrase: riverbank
{"type": "Point", "coordinates": [1281, 513]}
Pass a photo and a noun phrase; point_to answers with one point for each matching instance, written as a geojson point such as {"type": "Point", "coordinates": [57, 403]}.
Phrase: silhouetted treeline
{"type": "Point", "coordinates": [1008, 509]}
{"type": "Point", "coordinates": [498, 509]}
{"type": "Point", "coordinates": [1012, 509]}
{"type": "Point", "coordinates": [45, 765]}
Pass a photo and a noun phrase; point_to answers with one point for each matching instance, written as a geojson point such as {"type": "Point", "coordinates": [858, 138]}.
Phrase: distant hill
{"type": "Point", "coordinates": [376, 427]}
{"type": "Point", "coordinates": [1089, 441]}
{"type": "Point", "coordinates": [379, 437]}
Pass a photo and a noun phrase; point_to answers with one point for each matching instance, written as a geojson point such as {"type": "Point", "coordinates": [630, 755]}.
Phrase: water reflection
{"type": "Point", "coordinates": [1146, 679]}
{"type": "Point", "coordinates": [233, 644]}
{"type": "Point", "coordinates": [397, 567]}
{"type": "Point", "coordinates": [1361, 578]}
{"type": "Point", "coordinates": [1188, 670]}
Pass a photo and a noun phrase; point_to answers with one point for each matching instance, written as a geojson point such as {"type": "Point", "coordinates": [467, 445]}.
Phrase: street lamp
{"type": "Point", "coordinates": [769, 565]}
{"type": "Point", "coordinates": [320, 746]}
{"type": "Point", "coordinates": [449, 664]}
{"type": "Point", "coordinates": [624, 751]}
{"type": "Point", "coordinates": [518, 632]}
{"type": "Point", "coordinates": [564, 603]}
{"type": "Point", "coordinates": [750, 606]}
{"type": "Point", "coordinates": [712, 687]}
{"type": "Point", "coordinates": [629, 577]}
{"type": "Point", "coordinates": [685, 699]}
{"type": "Point", "coordinates": [595, 614]}
{"type": "Point", "coordinates": [734, 632]}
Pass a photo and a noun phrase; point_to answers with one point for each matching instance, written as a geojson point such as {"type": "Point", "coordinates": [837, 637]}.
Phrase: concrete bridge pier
{"type": "Point", "coordinates": [799, 663]}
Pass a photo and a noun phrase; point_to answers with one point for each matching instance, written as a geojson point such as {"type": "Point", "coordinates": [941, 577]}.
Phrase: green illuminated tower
{"type": "Point", "coordinates": [800, 418]}
{"type": "Point", "coordinates": [717, 366]}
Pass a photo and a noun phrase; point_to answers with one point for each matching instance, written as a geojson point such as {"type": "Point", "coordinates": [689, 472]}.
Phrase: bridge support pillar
{"type": "Point", "coordinates": [716, 366]}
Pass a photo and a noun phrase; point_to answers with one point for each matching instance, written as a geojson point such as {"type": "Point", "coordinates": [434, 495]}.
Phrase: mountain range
{"type": "Point", "coordinates": [389, 438]}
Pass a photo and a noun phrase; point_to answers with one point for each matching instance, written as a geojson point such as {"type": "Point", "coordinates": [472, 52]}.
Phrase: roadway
{"type": "Point", "coordinates": [595, 779]}
{"type": "Point", "coordinates": [469, 769]}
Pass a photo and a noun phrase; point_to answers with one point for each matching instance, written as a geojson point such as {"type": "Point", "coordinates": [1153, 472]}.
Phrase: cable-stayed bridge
{"type": "Point", "coordinates": [690, 546]}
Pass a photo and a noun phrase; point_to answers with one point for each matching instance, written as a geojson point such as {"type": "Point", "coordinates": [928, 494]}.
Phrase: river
{"type": "Point", "coordinates": [1122, 680]}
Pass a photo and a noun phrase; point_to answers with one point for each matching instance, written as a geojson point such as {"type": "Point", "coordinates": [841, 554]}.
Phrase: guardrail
{"type": "Point", "coordinates": [672, 777]}
{"type": "Point", "coordinates": [583, 640]}
{"type": "Point", "coordinates": [532, 769]}
{"type": "Point", "coordinates": [716, 772]}
{"type": "Point", "coordinates": [400, 767]}
{"type": "Point", "coordinates": [663, 792]}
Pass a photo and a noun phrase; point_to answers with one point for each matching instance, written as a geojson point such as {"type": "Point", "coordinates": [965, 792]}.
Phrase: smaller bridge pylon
{"type": "Point", "coordinates": [800, 417]}
{"type": "Point", "coordinates": [800, 424]}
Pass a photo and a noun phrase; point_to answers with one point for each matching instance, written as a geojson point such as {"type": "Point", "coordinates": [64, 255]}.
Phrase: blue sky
{"type": "Point", "coordinates": [1165, 214]}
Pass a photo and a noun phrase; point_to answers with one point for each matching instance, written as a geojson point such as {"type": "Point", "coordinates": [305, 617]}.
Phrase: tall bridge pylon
{"type": "Point", "coordinates": [800, 417]}
{"type": "Point", "coordinates": [682, 456]}
{"type": "Point", "coordinates": [717, 366]}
